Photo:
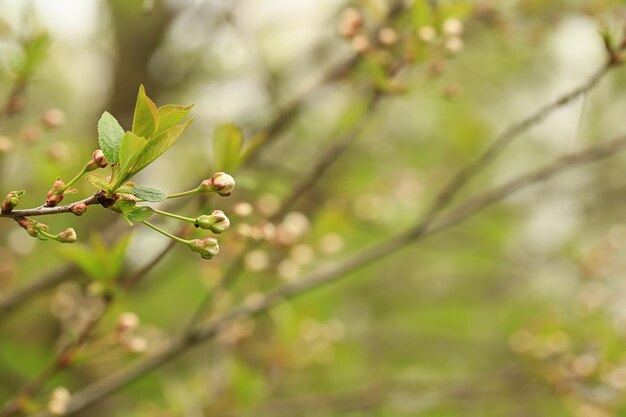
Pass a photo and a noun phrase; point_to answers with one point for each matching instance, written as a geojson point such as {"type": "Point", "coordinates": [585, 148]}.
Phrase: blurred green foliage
{"type": "Point", "coordinates": [516, 311]}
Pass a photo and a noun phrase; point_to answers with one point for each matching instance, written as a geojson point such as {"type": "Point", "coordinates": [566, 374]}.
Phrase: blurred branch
{"type": "Point", "coordinates": [37, 286]}
{"type": "Point", "coordinates": [470, 171]}
{"type": "Point", "coordinates": [62, 360]}
{"type": "Point", "coordinates": [329, 273]}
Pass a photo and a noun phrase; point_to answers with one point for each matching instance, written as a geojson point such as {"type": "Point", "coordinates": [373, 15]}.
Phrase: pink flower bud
{"type": "Point", "coordinates": [53, 118]}
{"type": "Point", "coordinates": [216, 222]}
{"type": "Point", "coordinates": [207, 247]}
{"type": "Point", "coordinates": [221, 183]}
{"type": "Point", "coordinates": [98, 159]}
{"type": "Point", "coordinates": [78, 208]}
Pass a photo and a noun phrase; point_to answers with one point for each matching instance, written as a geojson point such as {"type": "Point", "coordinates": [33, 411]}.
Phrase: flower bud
{"type": "Point", "coordinates": [220, 182]}
{"type": "Point", "coordinates": [53, 199]}
{"type": "Point", "coordinates": [127, 322]}
{"type": "Point", "coordinates": [207, 247]}
{"type": "Point", "coordinates": [59, 401]}
{"type": "Point", "coordinates": [11, 201]}
{"type": "Point", "coordinates": [351, 22]}
{"type": "Point", "coordinates": [216, 222]}
{"type": "Point", "coordinates": [79, 208]}
{"type": "Point", "coordinates": [67, 236]}
{"type": "Point", "coordinates": [387, 36]}
{"type": "Point", "coordinates": [53, 118]}
{"type": "Point", "coordinates": [452, 27]}
{"type": "Point", "coordinates": [98, 160]}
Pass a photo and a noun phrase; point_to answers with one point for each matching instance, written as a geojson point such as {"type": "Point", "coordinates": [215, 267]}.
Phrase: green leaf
{"type": "Point", "coordinates": [159, 144]}
{"type": "Point", "coordinates": [139, 214]}
{"type": "Point", "coordinates": [171, 115]}
{"type": "Point", "coordinates": [110, 135]}
{"type": "Point", "coordinates": [97, 181]}
{"type": "Point", "coordinates": [130, 150]}
{"type": "Point", "coordinates": [146, 117]}
{"type": "Point", "coordinates": [227, 147]}
{"type": "Point", "coordinates": [132, 213]}
{"type": "Point", "coordinates": [81, 255]}
{"type": "Point", "coordinates": [147, 193]}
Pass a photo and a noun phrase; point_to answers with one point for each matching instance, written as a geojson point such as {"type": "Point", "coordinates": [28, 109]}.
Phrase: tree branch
{"type": "Point", "coordinates": [97, 198]}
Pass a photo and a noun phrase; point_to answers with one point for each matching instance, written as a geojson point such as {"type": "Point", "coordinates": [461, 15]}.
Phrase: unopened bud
{"type": "Point", "coordinates": [216, 222]}
{"type": "Point", "coordinates": [220, 182]}
{"type": "Point", "coordinates": [53, 118]}
{"type": "Point", "coordinates": [454, 45]}
{"type": "Point", "coordinates": [351, 22]}
{"type": "Point", "coordinates": [98, 160]}
{"type": "Point", "coordinates": [53, 199]}
{"type": "Point", "coordinates": [78, 208]}
{"type": "Point", "coordinates": [361, 44]}
{"type": "Point", "coordinates": [67, 236]}
{"type": "Point", "coordinates": [59, 401]}
{"type": "Point", "coordinates": [452, 27]}
{"type": "Point", "coordinates": [11, 201]}
{"type": "Point", "coordinates": [387, 36]}
{"type": "Point", "coordinates": [427, 34]}
{"type": "Point", "coordinates": [207, 247]}
{"type": "Point", "coordinates": [127, 322]}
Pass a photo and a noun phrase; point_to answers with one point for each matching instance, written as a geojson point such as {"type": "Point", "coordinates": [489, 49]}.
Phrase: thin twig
{"type": "Point", "coordinates": [97, 198]}
{"type": "Point", "coordinates": [470, 171]}
{"type": "Point", "coordinates": [329, 273]}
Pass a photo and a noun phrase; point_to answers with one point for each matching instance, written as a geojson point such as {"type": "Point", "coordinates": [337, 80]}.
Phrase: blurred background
{"type": "Point", "coordinates": [520, 310]}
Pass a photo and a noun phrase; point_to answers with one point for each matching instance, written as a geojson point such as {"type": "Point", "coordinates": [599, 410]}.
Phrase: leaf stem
{"type": "Point", "coordinates": [76, 178]}
{"type": "Point", "coordinates": [184, 193]}
{"type": "Point", "coordinates": [163, 232]}
{"type": "Point", "coordinates": [175, 216]}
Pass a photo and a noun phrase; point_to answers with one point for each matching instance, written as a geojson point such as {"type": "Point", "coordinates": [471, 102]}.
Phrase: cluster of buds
{"type": "Point", "coordinates": [40, 231]}
{"type": "Point", "coordinates": [220, 183]}
{"type": "Point", "coordinates": [59, 401]}
{"type": "Point", "coordinates": [351, 27]}
{"type": "Point", "coordinates": [126, 333]}
{"type": "Point", "coordinates": [217, 222]}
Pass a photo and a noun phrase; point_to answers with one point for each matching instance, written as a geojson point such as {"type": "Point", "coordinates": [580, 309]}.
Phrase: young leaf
{"type": "Point", "coordinates": [146, 117]}
{"type": "Point", "coordinates": [147, 193]}
{"type": "Point", "coordinates": [132, 213]}
{"type": "Point", "coordinates": [131, 149]}
{"type": "Point", "coordinates": [110, 135]}
{"type": "Point", "coordinates": [97, 181]}
{"type": "Point", "coordinates": [159, 144]}
{"type": "Point", "coordinates": [139, 214]}
{"type": "Point", "coordinates": [227, 147]}
{"type": "Point", "coordinates": [171, 115]}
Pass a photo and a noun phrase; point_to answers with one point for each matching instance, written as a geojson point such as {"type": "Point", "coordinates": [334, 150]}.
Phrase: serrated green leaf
{"type": "Point", "coordinates": [227, 147]}
{"type": "Point", "coordinates": [171, 115]}
{"type": "Point", "coordinates": [130, 150]}
{"type": "Point", "coordinates": [159, 144]}
{"type": "Point", "coordinates": [146, 117]}
{"type": "Point", "coordinates": [97, 181]}
{"type": "Point", "coordinates": [146, 193]}
{"type": "Point", "coordinates": [110, 135]}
